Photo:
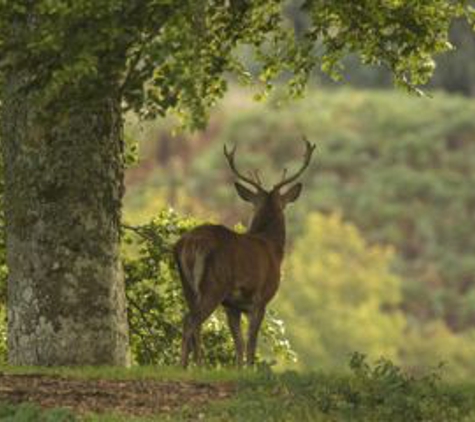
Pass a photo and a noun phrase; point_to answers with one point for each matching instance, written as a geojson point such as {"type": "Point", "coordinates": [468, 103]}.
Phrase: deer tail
{"type": "Point", "coordinates": [191, 259]}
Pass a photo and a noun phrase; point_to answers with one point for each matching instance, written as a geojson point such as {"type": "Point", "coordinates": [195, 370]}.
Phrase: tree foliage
{"type": "Point", "coordinates": [157, 55]}
{"type": "Point", "coordinates": [402, 36]}
{"type": "Point", "coordinates": [169, 55]}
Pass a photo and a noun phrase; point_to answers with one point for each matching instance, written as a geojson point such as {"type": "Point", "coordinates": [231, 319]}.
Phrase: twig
{"type": "Point", "coordinates": [148, 234]}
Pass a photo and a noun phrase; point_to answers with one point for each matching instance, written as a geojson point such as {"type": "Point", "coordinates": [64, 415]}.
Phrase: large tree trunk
{"type": "Point", "coordinates": [63, 192]}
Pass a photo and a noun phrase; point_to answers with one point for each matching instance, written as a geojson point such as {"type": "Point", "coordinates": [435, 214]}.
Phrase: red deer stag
{"type": "Point", "coordinates": [240, 271]}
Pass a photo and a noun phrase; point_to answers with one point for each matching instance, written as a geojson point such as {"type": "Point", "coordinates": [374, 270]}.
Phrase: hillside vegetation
{"type": "Point", "coordinates": [398, 170]}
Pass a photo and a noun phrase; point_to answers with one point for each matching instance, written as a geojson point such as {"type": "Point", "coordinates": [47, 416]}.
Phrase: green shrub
{"type": "Point", "coordinates": [156, 306]}
{"type": "Point", "coordinates": [371, 392]}
{"type": "Point", "coordinates": [384, 392]}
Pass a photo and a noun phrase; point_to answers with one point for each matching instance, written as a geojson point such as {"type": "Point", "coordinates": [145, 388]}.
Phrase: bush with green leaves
{"type": "Point", "coordinates": [371, 391]}
{"type": "Point", "coordinates": [156, 305]}
{"type": "Point", "coordinates": [384, 392]}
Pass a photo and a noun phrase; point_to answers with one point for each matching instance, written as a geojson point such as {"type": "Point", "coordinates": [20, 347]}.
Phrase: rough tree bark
{"type": "Point", "coordinates": [63, 191]}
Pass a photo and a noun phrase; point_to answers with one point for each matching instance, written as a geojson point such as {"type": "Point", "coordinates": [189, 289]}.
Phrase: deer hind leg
{"type": "Point", "coordinates": [255, 320]}
{"type": "Point", "coordinates": [188, 342]}
{"type": "Point", "coordinates": [192, 326]}
{"type": "Point", "coordinates": [234, 322]}
{"type": "Point", "coordinates": [191, 339]}
{"type": "Point", "coordinates": [197, 347]}
{"type": "Point", "coordinates": [187, 339]}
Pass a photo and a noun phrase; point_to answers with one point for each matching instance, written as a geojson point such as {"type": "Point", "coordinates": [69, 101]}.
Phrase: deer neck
{"type": "Point", "coordinates": [270, 226]}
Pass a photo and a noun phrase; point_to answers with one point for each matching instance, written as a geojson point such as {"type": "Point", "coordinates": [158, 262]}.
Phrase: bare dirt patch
{"type": "Point", "coordinates": [144, 397]}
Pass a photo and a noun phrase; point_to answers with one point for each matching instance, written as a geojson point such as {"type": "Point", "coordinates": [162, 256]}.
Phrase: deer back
{"type": "Point", "coordinates": [215, 260]}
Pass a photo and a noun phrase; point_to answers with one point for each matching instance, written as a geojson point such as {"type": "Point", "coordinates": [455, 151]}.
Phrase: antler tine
{"type": "Point", "coordinates": [309, 148]}
{"type": "Point", "coordinates": [232, 165]}
{"type": "Point", "coordinates": [284, 173]}
{"type": "Point", "coordinates": [257, 177]}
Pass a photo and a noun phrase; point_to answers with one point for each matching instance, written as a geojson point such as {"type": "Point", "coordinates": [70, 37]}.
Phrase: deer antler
{"type": "Point", "coordinates": [309, 148]}
{"type": "Point", "coordinates": [230, 158]}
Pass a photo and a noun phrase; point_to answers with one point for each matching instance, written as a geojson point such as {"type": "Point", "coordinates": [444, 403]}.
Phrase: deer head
{"type": "Point", "coordinates": [269, 205]}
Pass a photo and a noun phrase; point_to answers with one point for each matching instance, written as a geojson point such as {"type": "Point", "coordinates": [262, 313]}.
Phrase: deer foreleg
{"type": "Point", "coordinates": [197, 349]}
{"type": "Point", "coordinates": [234, 322]}
{"type": "Point", "coordinates": [192, 327]}
{"type": "Point", "coordinates": [255, 320]}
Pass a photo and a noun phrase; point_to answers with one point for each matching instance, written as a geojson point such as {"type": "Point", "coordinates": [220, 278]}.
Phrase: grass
{"type": "Point", "coordinates": [376, 392]}
{"type": "Point", "coordinates": [167, 373]}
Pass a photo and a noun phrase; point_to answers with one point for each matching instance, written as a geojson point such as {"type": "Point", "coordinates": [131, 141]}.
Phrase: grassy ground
{"type": "Point", "coordinates": [379, 392]}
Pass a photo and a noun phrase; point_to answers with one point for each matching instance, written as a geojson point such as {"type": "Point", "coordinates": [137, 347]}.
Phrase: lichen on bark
{"type": "Point", "coordinates": [63, 192]}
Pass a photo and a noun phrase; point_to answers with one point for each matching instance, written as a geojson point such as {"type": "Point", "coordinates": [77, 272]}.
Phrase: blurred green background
{"type": "Point", "coordinates": [381, 249]}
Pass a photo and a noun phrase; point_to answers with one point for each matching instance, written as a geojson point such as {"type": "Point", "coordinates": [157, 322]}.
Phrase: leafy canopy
{"type": "Point", "coordinates": [162, 55]}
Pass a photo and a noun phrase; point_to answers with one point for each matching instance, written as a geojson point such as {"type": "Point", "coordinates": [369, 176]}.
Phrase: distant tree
{"type": "Point", "coordinates": [339, 295]}
{"type": "Point", "coordinates": [68, 69]}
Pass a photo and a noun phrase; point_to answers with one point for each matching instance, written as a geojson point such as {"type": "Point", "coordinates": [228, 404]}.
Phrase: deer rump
{"type": "Point", "coordinates": [220, 266]}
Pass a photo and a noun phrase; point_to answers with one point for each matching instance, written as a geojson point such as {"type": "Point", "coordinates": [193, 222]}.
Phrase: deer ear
{"type": "Point", "coordinates": [245, 193]}
{"type": "Point", "coordinates": [292, 194]}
